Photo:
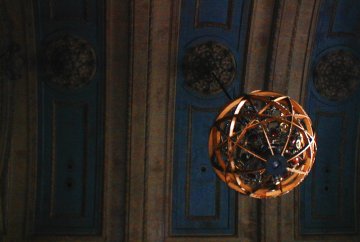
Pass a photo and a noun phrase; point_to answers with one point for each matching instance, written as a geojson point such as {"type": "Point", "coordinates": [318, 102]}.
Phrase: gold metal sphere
{"type": "Point", "coordinates": [262, 144]}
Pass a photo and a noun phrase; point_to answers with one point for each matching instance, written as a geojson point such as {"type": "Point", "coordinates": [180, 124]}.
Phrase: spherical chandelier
{"type": "Point", "coordinates": [262, 144]}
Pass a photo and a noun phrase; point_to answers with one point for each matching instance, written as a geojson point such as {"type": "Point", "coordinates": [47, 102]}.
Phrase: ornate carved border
{"type": "Point", "coordinates": [293, 30]}
{"type": "Point", "coordinates": [153, 80]}
{"type": "Point", "coordinates": [11, 68]}
{"type": "Point", "coordinates": [116, 121]}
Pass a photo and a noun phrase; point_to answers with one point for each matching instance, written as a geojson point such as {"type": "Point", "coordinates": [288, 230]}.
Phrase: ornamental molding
{"type": "Point", "coordinates": [337, 75]}
{"type": "Point", "coordinates": [205, 62]}
{"type": "Point", "coordinates": [70, 62]}
{"type": "Point", "coordinates": [11, 68]}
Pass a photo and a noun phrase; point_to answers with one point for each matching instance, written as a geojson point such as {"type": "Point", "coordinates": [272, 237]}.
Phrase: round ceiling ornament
{"type": "Point", "coordinates": [262, 144]}
{"type": "Point", "coordinates": [70, 62]}
{"type": "Point", "coordinates": [204, 63]}
{"type": "Point", "coordinates": [337, 75]}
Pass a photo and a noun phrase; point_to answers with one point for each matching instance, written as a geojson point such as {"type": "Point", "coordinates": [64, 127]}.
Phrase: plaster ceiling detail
{"type": "Point", "coordinates": [204, 63]}
{"type": "Point", "coordinates": [337, 75]}
{"type": "Point", "coordinates": [70, 62]}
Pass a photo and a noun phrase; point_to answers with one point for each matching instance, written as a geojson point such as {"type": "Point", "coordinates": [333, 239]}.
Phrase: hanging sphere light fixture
{"type": "Point", "coordinates": [262, 144]}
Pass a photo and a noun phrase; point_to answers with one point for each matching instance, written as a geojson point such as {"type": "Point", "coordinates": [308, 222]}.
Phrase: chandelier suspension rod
{"type": "Point", "coordinates": [222, 86]}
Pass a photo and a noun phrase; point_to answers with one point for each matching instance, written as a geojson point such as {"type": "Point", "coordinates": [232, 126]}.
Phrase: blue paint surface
{"type": "Point", "coordinates": [329, 196]}
{"type": "Point", "coordinates": [344, 17]}
{"type": "Point", "coordinates": [202, 204]}
{"type": "Point", "coordinates": [214, 12]}
{"type": "Point", "coordinates": [70, 126]}
{"type": "Point", "coordinates": [69, 166]}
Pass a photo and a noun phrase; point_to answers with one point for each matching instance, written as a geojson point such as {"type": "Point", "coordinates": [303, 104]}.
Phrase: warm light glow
{"type": "Point", "coordinates": [262, 144]}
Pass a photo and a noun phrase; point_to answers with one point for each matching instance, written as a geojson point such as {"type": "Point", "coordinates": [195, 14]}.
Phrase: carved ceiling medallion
{"type": "Point", "coordinates": [70, 62]}
{"type": "Point", "coordinates": [204, 63]}
{"type": "Point", "coordinates": [337, 75]}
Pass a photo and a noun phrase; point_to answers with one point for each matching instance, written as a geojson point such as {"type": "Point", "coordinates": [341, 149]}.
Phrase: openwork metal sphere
{"type": "Point", "coordinates": [262, 144]}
